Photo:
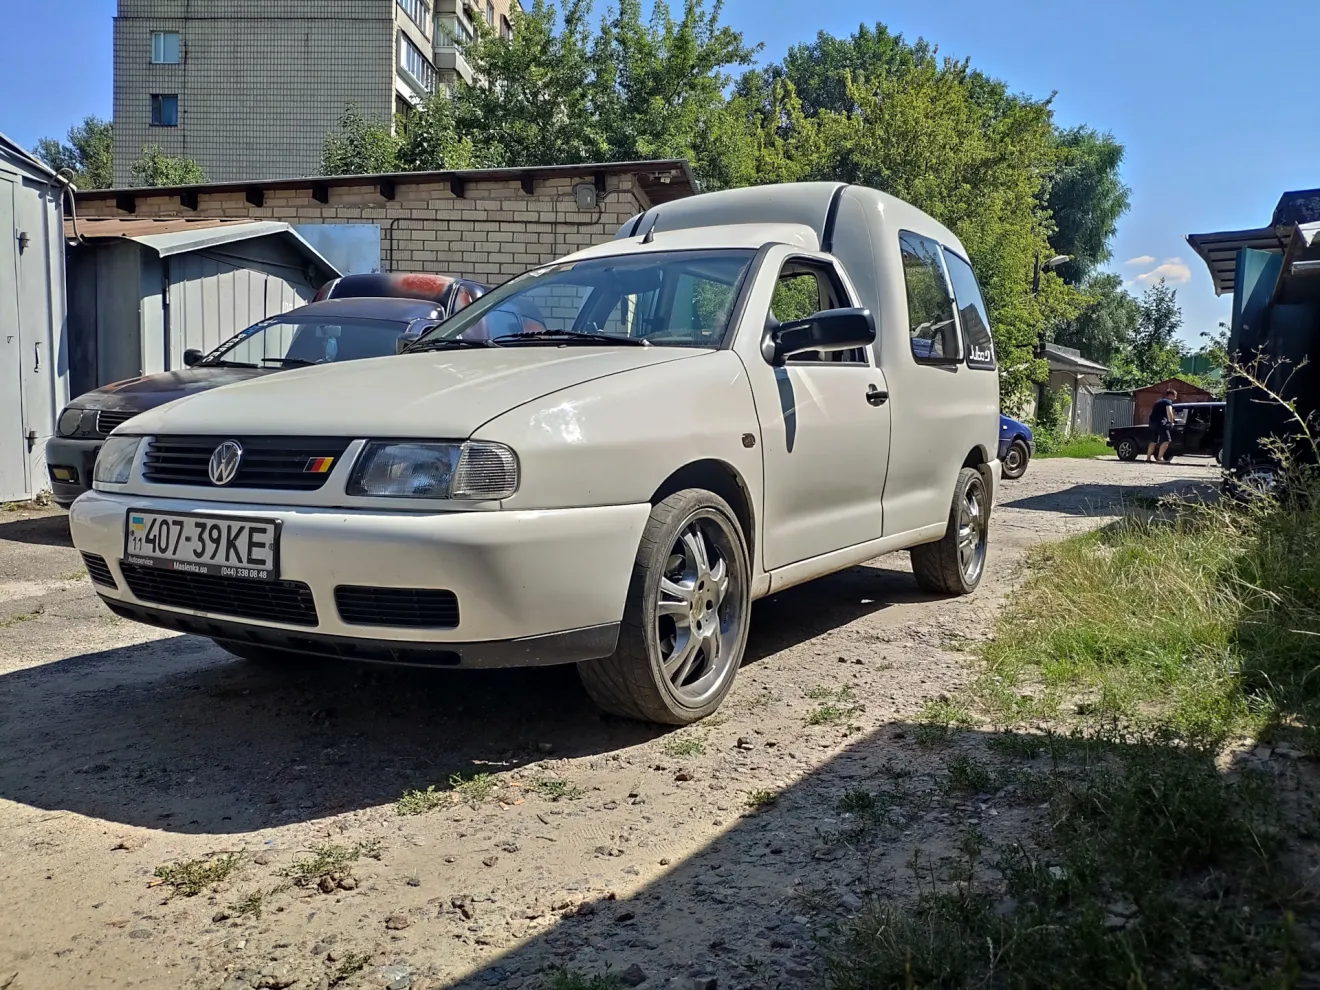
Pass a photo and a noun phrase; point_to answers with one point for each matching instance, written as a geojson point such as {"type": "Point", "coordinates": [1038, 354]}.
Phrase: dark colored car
{"type": "Point", "coordinates": [451, 293]}
{"type": "Point", "coordinates": [1198, 429]}
{"type": "Point", "coordinates": [1016, 446]}
{"type": "Point", "coordinates": [335, 330]}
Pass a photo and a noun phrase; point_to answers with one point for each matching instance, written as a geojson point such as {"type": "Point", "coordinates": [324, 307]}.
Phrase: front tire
{"type": "Point", "coordinates": [685, 621]}
{"type": "Point", "coordinates": [1015, 461]}
{"type": "Point", "coordinates": [955, 564]}
{"type": "Point", "coordinates": [1127, 449]}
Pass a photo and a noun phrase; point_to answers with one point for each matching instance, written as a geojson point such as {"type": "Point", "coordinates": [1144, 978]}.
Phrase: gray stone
{"type": "Point", "coordinates": [141, 933]}
{"type": "Point", "coordinates": [634, 975]}
{"type": "Point", "coordinates": [850, 901]}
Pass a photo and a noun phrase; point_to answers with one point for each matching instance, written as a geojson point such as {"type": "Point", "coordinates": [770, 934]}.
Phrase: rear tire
{"type": "Point", "coordinates": [955, 564]}
{"type": "Point", "coordinates": [685, 620]}
{"type": "Point", "coordinates": [1015, 461]}
{"type": "Point", "coordinates": [1127, 449]}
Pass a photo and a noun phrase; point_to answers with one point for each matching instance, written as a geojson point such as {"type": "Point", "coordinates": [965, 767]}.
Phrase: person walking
{"type": "Point", "coordinates": [1161, 426]}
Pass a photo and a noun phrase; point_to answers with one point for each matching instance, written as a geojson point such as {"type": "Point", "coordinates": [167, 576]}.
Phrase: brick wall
{"type": "Point", "coordinates": [260, 84]}
{"type": "Point", "coordinates": [494, 231]}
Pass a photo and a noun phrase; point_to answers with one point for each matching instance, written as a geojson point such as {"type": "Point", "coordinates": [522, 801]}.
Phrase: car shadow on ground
{"type": "Point", "coordinates": [1098, 499]}
{"type": "Point", "coordinates": [174, 734]}
{"type": "Point", "coordinates": [43, 530]}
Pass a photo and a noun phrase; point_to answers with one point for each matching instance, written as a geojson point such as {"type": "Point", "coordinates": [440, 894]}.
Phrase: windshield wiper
{"type": "Point", "coordinates": [224, 364]}
{"type": "Point", "coordinates": [296, 362]}
{"type": "Point", "coordinates": [560, 336]}
{"type": "Point", "coordinates": [444, 344]}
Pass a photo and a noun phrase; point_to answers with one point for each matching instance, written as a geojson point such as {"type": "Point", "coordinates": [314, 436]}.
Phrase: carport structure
{"type": "Point", "coordinates": [1273, 274]}
{"type": "Point", "coordinates": [144, 290]}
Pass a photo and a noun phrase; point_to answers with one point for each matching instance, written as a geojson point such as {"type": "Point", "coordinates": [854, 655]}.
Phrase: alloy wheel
{"type": "Point", "coordinates": [698, 609]}
{"type": "Point", "coordinates": [973, 520]}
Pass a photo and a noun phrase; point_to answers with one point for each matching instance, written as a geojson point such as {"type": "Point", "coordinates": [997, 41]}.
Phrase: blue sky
{"type": "Point", "coordinates": [1216, 108]}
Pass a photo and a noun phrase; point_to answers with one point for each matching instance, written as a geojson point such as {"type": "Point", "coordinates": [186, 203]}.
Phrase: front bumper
{"type": "Point", "coordinates": [69, 464]}
{"type": "Point", "coordinates": [561, 575]}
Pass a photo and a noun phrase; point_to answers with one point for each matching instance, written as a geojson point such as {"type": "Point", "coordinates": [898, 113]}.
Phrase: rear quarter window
{"type": "Point", "coordinates": [972, 312]}
{"type": "Point", "coordinates": [932, 329]}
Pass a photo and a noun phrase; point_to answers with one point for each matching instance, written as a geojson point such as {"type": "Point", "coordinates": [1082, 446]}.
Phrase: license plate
{"type": "Point", "coordinates": [226, 546]}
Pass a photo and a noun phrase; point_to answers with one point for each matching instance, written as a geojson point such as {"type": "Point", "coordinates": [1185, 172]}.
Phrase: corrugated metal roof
{"type": "Point", "coordinates": [663, 180]}
{"type": "Point", "coordinates": [27, 157]}
{"type": "Point", "coordinates": [103, 228]}
{"type": "Point", "coordinates": [1219, 251]}
{"type": "Point", "coordinates": [1062, 358]}
{"type": "Point", "coordinates": [176, 235]}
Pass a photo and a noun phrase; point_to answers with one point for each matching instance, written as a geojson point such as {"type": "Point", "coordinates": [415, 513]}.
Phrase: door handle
{"type": "Point", "coordinates": [876, 396]}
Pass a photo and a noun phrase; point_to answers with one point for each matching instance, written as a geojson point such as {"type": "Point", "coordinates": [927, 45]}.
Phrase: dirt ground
{"type": "Point", "coordinates": [708, 856]}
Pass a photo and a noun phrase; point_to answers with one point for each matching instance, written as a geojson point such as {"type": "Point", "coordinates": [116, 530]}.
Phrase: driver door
{"type": "Point", "coordinates": [825, 432]}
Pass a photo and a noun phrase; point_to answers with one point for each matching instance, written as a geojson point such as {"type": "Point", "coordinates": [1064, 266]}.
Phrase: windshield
{"type": "Point", "coordinates": [293, 341]}
{"type": "Point", "coordinates": [665, 298]}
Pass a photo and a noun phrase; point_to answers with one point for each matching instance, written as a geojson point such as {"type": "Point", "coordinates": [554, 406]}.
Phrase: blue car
{"type": "Point", "coordinates": [1016, 446]}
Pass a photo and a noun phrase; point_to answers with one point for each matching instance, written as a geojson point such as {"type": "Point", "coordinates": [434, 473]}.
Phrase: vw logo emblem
{"type": "Point", "coordinates": [225, 460]}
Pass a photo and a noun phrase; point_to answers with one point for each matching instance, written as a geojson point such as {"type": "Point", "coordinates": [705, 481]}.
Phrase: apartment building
{"type": "Point", "coordinates": [249, 88]}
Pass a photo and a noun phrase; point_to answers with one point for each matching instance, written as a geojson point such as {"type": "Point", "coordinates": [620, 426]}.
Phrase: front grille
{"type": "Point", "coordinates": [98, 570]}
{"type": "Point", "coordinates": [107, 419]}
{"type": "Point", "coordinates": [268, 462]}
{"type": "Point", "coordinates": [289, 602]}
{"type": "Point", "coordinates": [417, 608]}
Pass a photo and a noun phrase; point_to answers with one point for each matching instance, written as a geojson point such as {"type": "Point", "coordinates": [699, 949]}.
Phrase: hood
{"type": "Point", "coordinates": [440, 394]}
{"type": "Point", "coordinates": [140, 394]}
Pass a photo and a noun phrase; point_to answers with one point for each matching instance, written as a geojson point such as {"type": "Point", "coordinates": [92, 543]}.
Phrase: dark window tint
{"type": "Point", "coordinates": [931, 324]}
{"type": "Point", "coordinates": [164, 110]}
{"type": "Point", "coordinates": [971, 312]}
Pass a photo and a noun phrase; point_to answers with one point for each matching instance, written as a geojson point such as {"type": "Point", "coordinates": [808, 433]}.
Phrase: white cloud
{"type": "Point", "coordinates": [1145, 259]}
{"type": "Point", "coordinates": [1172, 270]}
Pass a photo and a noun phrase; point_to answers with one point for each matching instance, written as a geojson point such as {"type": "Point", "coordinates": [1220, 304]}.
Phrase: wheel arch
{"type": "Point", "coordinates": [978, 459]}
{"type": "Point", "coordinates": [724, 480]}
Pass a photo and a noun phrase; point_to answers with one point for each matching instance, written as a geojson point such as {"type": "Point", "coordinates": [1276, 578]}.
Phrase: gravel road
{"type": "Point", "coordinates": [670, 858]}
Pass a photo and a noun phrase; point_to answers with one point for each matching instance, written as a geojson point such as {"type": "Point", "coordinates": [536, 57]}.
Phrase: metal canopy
{"type": "Point", "coordinates": [173, 235]}
{"type": "Point", "coordinates": [1219, 251]}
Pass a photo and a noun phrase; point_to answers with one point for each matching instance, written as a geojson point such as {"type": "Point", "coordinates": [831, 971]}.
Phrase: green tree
{"type": "Point", "coordinates": [1107, 322]}
{"type": "Point", "coordinates": [1155, 353]}
{"type": "Point", "coordinates": [155, 168]}
{"type": "Point", "coordinates": [430, 140]}
{"type": "Point", "coordinates": [1086, 199]}
{"type": "Point", "coordinates": [89, 154]}
{"type": "Point", "coordinates": [929, 137]}
{"type": "Point", "coordinates": [358, 146]}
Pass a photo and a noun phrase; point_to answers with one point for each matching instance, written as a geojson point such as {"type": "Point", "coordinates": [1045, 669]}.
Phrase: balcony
{"type": "Point", "coordinates": [450, 61]}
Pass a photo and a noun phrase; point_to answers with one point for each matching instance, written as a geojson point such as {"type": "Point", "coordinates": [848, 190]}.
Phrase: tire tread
{"type": "Point", "coordinates": [621, 683]}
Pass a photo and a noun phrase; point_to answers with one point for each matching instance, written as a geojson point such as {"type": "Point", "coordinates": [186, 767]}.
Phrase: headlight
{"type": "Point", "coordinates": [70, 421]}
{"type": "Point", "coordinates": [472, 470]}
{"type": "Point", "coordinates": [115, 459]}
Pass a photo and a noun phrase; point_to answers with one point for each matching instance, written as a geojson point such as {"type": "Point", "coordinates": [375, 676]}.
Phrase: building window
{"type": "Point", "coordinates": [490, 13]}
{"type": "Point", "coordinates": [454, 31]}
{"type": "Point", "coordinates": [164, 110]}
{"type": "Point", "coordinates": [506, 29]}
{"type": "Point", "coordinates": [417, 65]}
{"type": "Point", "coordinates": [419, 12]}
{"type": "Point", "coordinates": [165, 47]}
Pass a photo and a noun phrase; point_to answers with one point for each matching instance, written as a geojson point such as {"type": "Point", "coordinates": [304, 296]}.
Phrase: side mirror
{"type": "Point", "coordinates": [828, 330]}
{"type": "Point", "coordinates": [191, 356]}
{"type": "Point", "coordinates": [405, 339]}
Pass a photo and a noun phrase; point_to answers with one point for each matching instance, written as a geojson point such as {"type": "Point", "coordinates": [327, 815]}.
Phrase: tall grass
{"type": "Point", "coordinates": [1049, 444]}
{"type": "Point", "coordinates": [1201, 618]}
{"type": "Point", "coordinates": [1140, 650]}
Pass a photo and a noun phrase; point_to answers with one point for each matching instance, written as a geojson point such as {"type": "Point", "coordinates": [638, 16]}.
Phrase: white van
{"type": "Point", "coordinates": [603, 461]}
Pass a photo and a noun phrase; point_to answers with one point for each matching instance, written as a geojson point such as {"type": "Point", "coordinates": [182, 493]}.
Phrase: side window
{"type": "Point", "coordinates": [972, 313]}
{"type": "Point", "coordinates": [805, 288]}
{"type": "Point", "coordinates": [934, 333]}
